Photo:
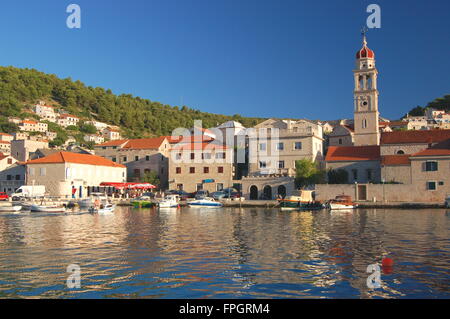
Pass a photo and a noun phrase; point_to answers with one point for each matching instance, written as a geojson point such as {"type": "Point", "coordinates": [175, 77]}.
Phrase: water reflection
{"type": "Point", "coordinates": [192, 253]}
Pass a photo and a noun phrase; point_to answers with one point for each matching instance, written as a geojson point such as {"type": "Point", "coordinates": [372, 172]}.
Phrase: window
{"type": "Point", "coordinates": [136, 158]}
{"type": "Point", "coordinates": [262, 164]}
{"type": "Point", "coordinates": [298, 145]}
{"type": "Point", "coordinates": [192, 155]}
{"type": "Point", "coordinates": [206, 170]}
{"type": "Point", "coordinates": [262, 146]}
{"type": "Point", "coordinates": [441, 183]}
{"type": "Point", "coordinates": [8, 177]}
{"type": "Point", "coordinates": [340, 141]}
{"type": "Point", "coordinates": [431, 186]}
{"type": "Point", "coordinates": [369, 174]}
{"type": "Point", "coordinates": [355, 174]}
{"type": "Point", "coordinates": [220, 169]}
{"type": "Point", "coordinates": [199, 186]}
{"type": "Point", "coordinates": [364, 123]}
{"type": "Point", "coordinates": [220, 155]}
{"type": "Point", "coordinates": [17, 177]}
{"type": "Point", "coordinates": [147, 158]}
{"type": "Point", "coordinates": [431, 166]}
{"type": "Point", "coordinates": [113, 159]}
{"type": "Point", "coordinates": [281, 164]}
{"type": "Point", "coordinates": [146, 170]}
{"type": "Point", "coordinates": [178, 170]}
{"type": "Point", "coordinates": [280, 146]}
{"type": "Point", "coordinates": [206, 156]}
{"type": "Point", "coordinates": [192, 170]}
{"type": "Point", "coordinates": [400, 152]}
{"type": "Point", "coordinates": [42, 171]}
{"type": "Point", "coordinates": [124, 159]}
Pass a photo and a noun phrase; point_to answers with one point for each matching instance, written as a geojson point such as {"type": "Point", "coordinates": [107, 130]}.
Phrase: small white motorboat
{"type": "Point", "coordinates": [47, 208]}
{"type": "Point", "coordinates": [171, 201]}
{"type": "Point", "coordinates": [205, 202]}
{"type": "Point", "coordinates": [103, 209]}
{"type": "Point", "coordinates": [11, 208]}
{"type": "Point", "coordinates": [342, 202]}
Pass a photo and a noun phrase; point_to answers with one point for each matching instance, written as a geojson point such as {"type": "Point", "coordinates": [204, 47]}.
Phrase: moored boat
{"type": "Point", "coordinates": [47, 208]}
{"type": "Point", "coordinates": [304, 201]}
{"type": "Point", "coordinates": [342, 202]}
{"type": "Point", "coordinates": [205, 202]}
{"type": "Point", "coordinates": [142, 202]}
{"type": "Point", "coordinates": [102, 209]}
{"type": "Point", "coordinates": [10, 208]}
{"type": "Point", "coordinates": [171, 201]}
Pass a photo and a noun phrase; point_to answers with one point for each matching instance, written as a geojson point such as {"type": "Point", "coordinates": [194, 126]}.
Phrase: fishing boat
{"type": "Point", "coordinates": [89, 202]}
{"type": "Point", "coordinates": [142, 202]}
{"type": "Point", "coordinates": [102, 209]}
{"type": "Point", "coordinates": [205, 202]}
{"type": "Point", "coordinates": [304, 201]}
{"type": "Point", "coordinates": [171, 201]}
{"type": "Point", "coordinates": [342, 202]}
{"type": "Point", "coordinates": [47, 208]}
{"type": "Point", "coordinates": [10, 208]}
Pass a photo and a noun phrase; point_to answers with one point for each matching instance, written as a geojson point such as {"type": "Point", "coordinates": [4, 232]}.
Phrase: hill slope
{"type": "Point", "coordinates": [20, 89]}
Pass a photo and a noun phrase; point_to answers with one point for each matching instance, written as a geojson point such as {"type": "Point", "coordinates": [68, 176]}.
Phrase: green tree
{"type": "Point", "coordinates": [338, 176]}
{"type": "Point", "coordinates": [307, 173]}
{"type": "Point", "coordinates": [150, 177]}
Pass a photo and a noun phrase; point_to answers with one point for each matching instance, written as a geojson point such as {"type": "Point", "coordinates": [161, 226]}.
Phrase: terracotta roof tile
{"type": "Point", "coordinates": [440, 149]}
{"type": "Point", "coordinates": [68, 157]}
{"type": "Point", "coordinates": [145, 143]}
{"type": "Point", "coordinates": [411, 137]}
{"type": "Point", "coordinates": [113, 143]}
{"type": "Point", "coordinates": [394, 160]}
{"type": "Point", "coordinates": [353, 153]}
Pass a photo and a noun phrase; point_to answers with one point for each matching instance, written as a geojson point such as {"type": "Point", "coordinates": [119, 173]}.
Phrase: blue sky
{"type": "Point", "coordinates": [281, 58]}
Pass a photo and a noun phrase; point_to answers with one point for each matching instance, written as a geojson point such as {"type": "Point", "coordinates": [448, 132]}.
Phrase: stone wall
{"type": "Point", "coordinates": [392, 193]}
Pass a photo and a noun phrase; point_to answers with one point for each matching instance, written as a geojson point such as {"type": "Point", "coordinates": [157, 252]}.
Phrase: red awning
{"type": "Point", "coordinates": [128, 185]}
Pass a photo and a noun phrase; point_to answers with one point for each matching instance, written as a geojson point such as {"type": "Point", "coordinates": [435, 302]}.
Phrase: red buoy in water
{"type": "Point", "coordinates": [387, 262]}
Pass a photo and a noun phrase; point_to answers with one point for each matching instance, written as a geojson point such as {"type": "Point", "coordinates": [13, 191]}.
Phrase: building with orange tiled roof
{"type": "Point", "coordinates": [5, 147]}
{"type": "Point", "coordinates": [61, 172]}
{"type": "Point", "coordinates": [6, 137]}
{"type": "Point", "coordinates": [111, 133]}
{"type": "Point", "coordinates": [140, 156]}
{"type": "Point", "coordinates": [66, 120]}
{"type": "Point", "coordinates": [45, 112]}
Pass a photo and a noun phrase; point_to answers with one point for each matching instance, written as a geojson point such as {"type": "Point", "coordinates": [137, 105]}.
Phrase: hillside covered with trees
{"type": "Point", "coordinates": [20, 89]}
{"type": "Point", "coordinates": [442, 103]}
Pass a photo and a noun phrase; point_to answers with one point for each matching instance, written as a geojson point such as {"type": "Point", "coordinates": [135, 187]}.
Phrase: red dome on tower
{"type": "Point", "coordinates": [365, 52]}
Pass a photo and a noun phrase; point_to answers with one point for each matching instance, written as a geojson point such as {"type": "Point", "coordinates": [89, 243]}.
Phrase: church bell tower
{"type": "Point", "coordinates": [366, 115]}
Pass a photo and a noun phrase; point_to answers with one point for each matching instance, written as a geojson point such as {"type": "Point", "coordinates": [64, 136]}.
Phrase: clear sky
{"type": "Point", "coordinates": [277, 58]}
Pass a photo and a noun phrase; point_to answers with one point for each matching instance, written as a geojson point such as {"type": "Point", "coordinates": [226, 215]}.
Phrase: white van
{"type": "Point", "coordinates": [28, 191]}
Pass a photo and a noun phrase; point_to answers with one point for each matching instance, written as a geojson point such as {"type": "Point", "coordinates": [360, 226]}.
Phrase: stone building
{"type": "Point", "coordinates": [200, 165]}
{"type": "Point", "coordinates": [12, 177]}
{"type": "Point", "coordinates": [275, 145]}
{"type": "Point", "coordinates": [21, 149]}
{"type": "Point", "coordinates": [140, 156]}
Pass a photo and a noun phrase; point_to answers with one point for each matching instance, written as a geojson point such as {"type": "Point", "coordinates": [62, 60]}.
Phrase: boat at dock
{"type": "Point", "coordinates": [47, 208]}
{"type": "Point", "coordinates": [142, 202]}
{"type": "Point", "coordinates": [304, 201]}
{"type": "Point", "coordinates": [342, 202]}
{"type": "Point", "coordinates": [102, 209]}
{"type": "Point", "coordinates": [205, 203]}
{"type": "Point", "coordinates": [171, 201]}
{"type": "Point", "coordinates": [10, 208]}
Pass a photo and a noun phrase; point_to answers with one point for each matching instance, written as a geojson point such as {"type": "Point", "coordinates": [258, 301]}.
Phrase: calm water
{"type": "Point", "coordinates": [225, 253]}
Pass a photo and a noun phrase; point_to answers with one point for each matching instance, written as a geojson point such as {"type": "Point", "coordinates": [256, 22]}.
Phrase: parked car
{"type": "Point", "coordinates": [3, 196]}
{"type": "Point", "coordinates": [201, 194]}
{"type": "Point", "coordinates": [218, 195]}
{"type": "Point", "coordinates": [183, 195]}
{"type": "Point", "coordinates": [232, 195]}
